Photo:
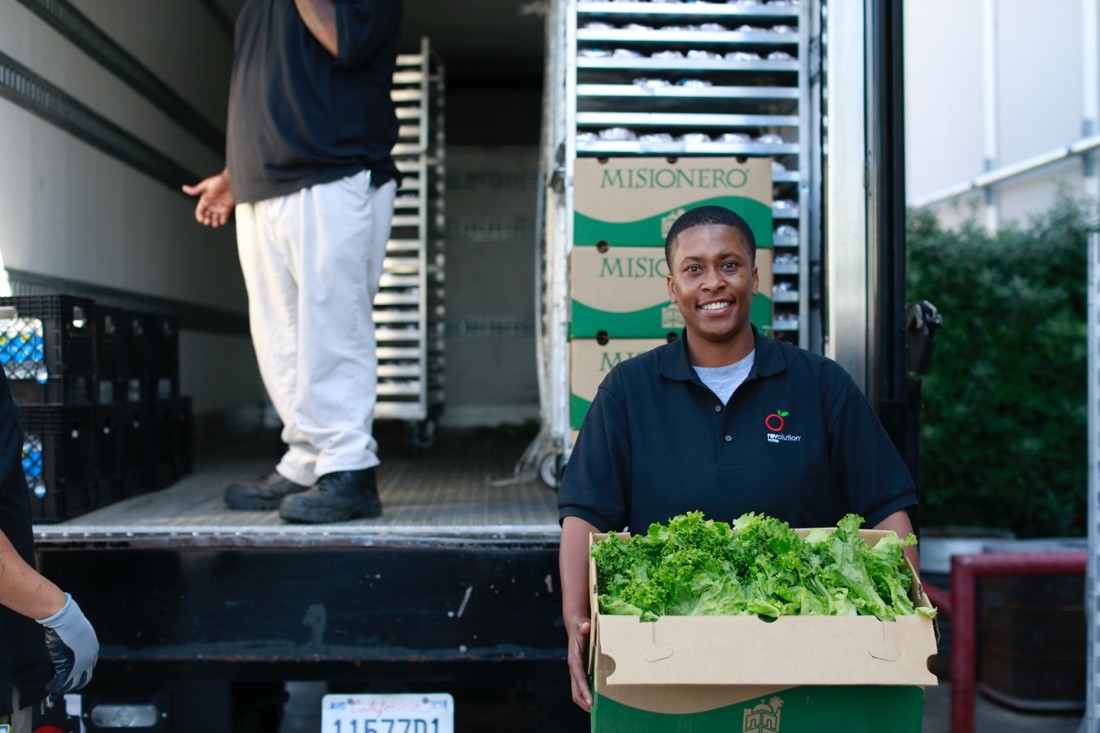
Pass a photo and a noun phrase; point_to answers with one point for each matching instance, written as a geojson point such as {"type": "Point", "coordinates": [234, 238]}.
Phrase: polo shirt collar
{"type": "Point", "coordinates": [675, 364]}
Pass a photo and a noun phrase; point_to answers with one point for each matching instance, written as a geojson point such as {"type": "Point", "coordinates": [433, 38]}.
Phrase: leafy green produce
{"type": "Point", "coordinates": [758, 565]}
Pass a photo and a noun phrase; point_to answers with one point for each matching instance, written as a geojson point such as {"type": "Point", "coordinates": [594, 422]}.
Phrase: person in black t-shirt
{"type": "Point", "coordinates": [311, 180]}
{"type": "Point", "coordinates": [62, 635]}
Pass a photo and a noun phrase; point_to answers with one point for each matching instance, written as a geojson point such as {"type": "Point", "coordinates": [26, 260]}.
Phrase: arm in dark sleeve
{"type": "Point", "coordinates": [596, 483]}
{"type": "Point", "coordinates": [22, 641]}
{"type": "Point", "coordinates": [351, 30]}
{"type": "Point", "coordinates": [319, 16]}
{"type": "Point", "coordinates": [363, 27]}
{"type": "Point", "coordinates": [22, 589]}
{"type": "Point", "coordinates": [867, 468]}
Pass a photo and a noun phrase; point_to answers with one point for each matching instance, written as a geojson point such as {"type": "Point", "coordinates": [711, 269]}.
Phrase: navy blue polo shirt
{"type": "Point", "coordinates": [797, 441]}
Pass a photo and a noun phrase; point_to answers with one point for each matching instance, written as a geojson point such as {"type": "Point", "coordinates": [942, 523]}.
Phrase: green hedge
{"type": "Point", "coordinates": [1004, 424]}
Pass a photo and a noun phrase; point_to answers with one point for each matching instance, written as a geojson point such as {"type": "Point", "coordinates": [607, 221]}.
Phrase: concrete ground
{"type": "Point", "coordinates": [992, 717]}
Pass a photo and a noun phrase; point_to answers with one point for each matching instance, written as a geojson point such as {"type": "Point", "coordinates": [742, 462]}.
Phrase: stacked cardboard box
{"type": "Point", "coordinates": [795, 674]}
{"type": "Point", "coordinates": [623, 209]}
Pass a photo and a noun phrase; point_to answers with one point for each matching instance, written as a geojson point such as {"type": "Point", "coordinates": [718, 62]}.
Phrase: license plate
{"type": "Point", "coordinates": [406, 713]}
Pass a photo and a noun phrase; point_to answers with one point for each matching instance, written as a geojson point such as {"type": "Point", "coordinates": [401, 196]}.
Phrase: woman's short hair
{"type": "Point", "coordinates": [704, 215]}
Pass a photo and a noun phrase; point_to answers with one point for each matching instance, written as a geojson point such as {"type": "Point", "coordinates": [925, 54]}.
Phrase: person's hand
{"type": "Point", "coordinates": [73, 648]}
{"type": "Point", "coordinates": [577, 657]}
{"type": "Point", "coordinates": [216, 202]}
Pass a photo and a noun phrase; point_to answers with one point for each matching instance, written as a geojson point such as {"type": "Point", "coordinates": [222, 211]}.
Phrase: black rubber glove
{"type": "Point", "coordinates": [73, 648]}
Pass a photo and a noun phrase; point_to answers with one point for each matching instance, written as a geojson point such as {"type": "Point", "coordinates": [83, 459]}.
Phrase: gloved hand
{"type": "Point", "coordinates": [73, 648]}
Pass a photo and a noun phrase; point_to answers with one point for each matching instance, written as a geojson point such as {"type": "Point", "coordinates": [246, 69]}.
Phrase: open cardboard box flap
{"type": "Point", "coordinates": [747, 650]}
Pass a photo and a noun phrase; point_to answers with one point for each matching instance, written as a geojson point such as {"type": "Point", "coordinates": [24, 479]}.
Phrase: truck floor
{"type": "Point", "coordinates": [465, 485]}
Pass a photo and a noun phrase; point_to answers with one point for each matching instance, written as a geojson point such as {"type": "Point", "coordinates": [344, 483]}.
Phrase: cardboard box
{"type": "Point", "coordinates": [589, 363]}
{"type": "Point", "coordinates": [796, 674]}
{"type": "Point", "coordinates": [623, 292]}
{"type": "Point", "coordinates": [632, 202]}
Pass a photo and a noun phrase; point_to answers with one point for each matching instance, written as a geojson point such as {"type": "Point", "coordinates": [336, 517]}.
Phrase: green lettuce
{"type": "Point", "coordinates": [757, 565]}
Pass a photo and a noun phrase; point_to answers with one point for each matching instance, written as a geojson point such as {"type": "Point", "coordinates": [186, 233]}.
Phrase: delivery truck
{"type": "Point", "coordinates": [562, 135]}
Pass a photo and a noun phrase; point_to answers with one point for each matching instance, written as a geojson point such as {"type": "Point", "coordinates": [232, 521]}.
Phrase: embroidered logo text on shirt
{"type": "Point", "coordinates": [775, 423]}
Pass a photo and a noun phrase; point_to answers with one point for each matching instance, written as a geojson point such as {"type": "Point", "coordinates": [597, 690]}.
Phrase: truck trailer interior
{"type": "Point", "coordinates": [109, 106]}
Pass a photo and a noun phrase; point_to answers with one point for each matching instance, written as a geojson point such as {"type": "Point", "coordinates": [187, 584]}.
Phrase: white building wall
{"type": "Point", "coordinates": [1038, 76]}
{"type": "Point", "coordinates": [1025, 58]}
{"type": "Point", "coordinates": [943, 104]}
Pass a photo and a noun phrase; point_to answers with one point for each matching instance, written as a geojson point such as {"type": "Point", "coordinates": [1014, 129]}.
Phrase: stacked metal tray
{"type": "Point", "coordinates": [409, 308]}
{"type": "Point", "coordinates": [703, 78]}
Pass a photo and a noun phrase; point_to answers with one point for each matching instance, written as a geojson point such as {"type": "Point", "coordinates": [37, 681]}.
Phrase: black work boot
{"type": "Point", "coordinates": [264, 494]}
{"type": "Point", "coordinates": [336, 497]}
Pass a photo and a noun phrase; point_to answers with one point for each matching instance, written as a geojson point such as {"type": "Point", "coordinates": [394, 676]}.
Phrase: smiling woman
{"type": "Point", "coordinates": [712, 279]}
{"type": "Point", "coordinates": [693, 426]}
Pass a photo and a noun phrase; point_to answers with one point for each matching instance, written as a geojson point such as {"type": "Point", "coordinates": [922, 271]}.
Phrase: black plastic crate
{"type": "Point", "coordinates": [47, 348]}
{"type": "Point", "coordinates": [108, 454]}
{"type": "Point", "coordinates": [136, 439]}
{"type": "Point", "coordinates": [63, 504]}
{"type": "Point", "coordinates": [140, 357]}
{"type": "Point", "coordinates": [112, 328]}
{"type": "Point", "coordinates": [57, 460]}
{"type": "Point", "coordinates": [166, 356]}
{"type": "Point", "coordinates": [173, 440]}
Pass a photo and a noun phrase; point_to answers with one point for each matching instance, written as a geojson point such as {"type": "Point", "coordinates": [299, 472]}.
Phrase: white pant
{"type": "Point", "coordinates": [312, 261]}
{"type": "Point", "coordinates": [21, 717]}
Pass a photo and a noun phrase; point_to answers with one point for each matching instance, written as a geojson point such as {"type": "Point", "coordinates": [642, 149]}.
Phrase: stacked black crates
{"type": "Point", "coordinates": [48, 349]}
{"type": "Point", "coordinates": [158, 450]}
{"type": "Point", "coordinates": [98, 390]}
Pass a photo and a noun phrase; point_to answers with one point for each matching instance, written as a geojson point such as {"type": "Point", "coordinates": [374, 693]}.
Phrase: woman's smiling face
{"type": "Point", "coordinates": [712, 278]}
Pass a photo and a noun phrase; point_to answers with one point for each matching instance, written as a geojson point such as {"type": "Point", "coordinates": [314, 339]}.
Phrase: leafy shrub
{"type": "Point", "coordinates": [1004, 424]}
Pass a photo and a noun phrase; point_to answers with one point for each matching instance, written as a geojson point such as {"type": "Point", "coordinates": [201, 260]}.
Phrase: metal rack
{"type": "Point", "coordinates": [670, 79]}
{"type": "Point", "coordinates": [1092, 580]}
{"type": "Point", "coordinates": [409, 308]}
{"type": "Point", "coordinates": [704, 79]}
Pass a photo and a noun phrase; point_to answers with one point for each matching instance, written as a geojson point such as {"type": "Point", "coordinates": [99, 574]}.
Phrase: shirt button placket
{"type": "Point", "coordinates": [726, 437]}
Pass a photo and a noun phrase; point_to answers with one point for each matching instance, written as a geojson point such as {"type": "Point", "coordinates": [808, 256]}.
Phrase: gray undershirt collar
{"type": "Point", "coordinates": [723, 381]}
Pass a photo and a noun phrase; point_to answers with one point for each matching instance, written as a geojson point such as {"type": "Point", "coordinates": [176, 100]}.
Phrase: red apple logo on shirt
{"type": "Point", "coordinates": [774, 422]}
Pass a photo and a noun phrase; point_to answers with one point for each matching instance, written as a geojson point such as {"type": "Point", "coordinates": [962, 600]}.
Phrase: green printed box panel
{"type": "Point", "coordinates": [634, 201]}
{"type": "Point", "coordinates": [652, 231]}
{"type": "Point", "coordinates": [653, 322]}
{"type": "Point", "coordinates": [623, 291]}
{"type": "Point", "coordinates": [824, 709]}
{"type": "Point", "coordinates": [589, 363]}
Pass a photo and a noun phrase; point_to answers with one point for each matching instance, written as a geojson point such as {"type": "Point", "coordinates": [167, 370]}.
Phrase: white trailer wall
{"type": "Point", "coordinates": [72, 212]}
